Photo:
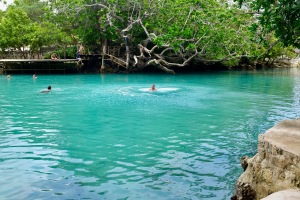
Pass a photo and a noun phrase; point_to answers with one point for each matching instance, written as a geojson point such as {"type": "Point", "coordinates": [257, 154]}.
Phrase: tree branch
{"type": "Point", "coordinates": [269, 49]}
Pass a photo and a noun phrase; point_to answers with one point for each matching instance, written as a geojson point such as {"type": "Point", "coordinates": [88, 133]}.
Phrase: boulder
{"type": "Point", "coordinates": [275, 167]}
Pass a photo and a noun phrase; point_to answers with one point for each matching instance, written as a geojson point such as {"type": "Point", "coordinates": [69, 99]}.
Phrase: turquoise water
{"type": "Point", "coordinates": [108, 137]}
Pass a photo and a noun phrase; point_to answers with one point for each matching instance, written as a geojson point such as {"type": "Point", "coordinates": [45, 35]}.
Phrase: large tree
{"type": "Point", "coordinates": [166, 34]}
{"type": "Point", "coordinates": [26, 25]}
{"type": "Point", "coordinates": [14, 30]}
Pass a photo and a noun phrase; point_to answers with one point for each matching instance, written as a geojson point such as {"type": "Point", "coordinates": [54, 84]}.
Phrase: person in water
{"type": "Point", "coordinates": [153, 88]}
{"type": "Point", "coordinates": [48, 89]}
{"type": "Point", "coordinates": [8, 76]}
{"type": "Point", "coordinates": [34, 76]}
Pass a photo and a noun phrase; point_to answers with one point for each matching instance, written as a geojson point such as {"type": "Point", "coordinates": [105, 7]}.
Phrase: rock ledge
{"type": "Point", "coordinates": [276, 166]}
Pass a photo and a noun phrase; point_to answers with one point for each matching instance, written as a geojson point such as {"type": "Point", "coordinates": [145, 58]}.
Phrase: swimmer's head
{"type": "Point", "coordinates": [49, 87]}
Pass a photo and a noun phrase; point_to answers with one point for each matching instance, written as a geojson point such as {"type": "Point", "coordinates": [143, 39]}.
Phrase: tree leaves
{"type": "Point", "coordinates": [18, 30]}
{"type": "Point", "coordinates": [282, 17]}
{"type": "Point", "coordinates": [212, 31]}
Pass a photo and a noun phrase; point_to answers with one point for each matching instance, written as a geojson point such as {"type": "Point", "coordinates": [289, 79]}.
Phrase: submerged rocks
{"type": "Point", "coordinates": [275, 167]}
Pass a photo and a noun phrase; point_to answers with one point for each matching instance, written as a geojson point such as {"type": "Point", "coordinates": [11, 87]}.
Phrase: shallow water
{"type": "Point", "coordinates": [109, 137]}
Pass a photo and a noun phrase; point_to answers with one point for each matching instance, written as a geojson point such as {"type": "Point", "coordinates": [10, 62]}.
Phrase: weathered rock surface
{"type": "Point", "coordinates": [286, 63]}
{"type": "Point", "coordinates": [295, 62]}
{"type": "Point", "coordinates": [275, 167]}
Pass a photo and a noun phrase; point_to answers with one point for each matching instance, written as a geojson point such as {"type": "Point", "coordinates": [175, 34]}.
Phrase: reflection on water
{"type": "Point", "coordinates": [109, 137]}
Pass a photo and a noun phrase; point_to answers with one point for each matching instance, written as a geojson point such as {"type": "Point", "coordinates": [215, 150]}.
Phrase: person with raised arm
{"type": "Point", "coordinates": [152, 88]}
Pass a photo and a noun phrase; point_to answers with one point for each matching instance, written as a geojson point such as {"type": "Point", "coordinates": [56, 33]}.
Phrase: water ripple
{"type": "Point", "coordinates": [108, 137]}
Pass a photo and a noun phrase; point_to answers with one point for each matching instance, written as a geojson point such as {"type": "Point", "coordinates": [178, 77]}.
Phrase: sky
{"type": "Point", "coordinates": [3, 6]}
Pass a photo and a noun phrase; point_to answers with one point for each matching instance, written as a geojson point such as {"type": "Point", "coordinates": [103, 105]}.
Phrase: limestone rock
{"type": "Point", "coordinates": [244, 162]}
{"type": "Point", "coordinates": [243, 192]}
{"type": "Point", "coordinates": [276, 166]}
{"type": "Point", "coordinates": [287, 63]}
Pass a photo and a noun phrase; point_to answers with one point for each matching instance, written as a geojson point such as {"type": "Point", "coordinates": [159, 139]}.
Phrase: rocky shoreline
{"type": "Point", "coordinates": [287, 63]}
{"type": "Point", "coordinates": [274, 172]}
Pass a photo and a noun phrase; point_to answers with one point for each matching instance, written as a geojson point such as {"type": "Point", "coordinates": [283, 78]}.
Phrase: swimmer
{"type": "Point", "coordinates": [48, 89]}
{"type": "Point", "coordinates": [8, 76]}
{"type": "Point", "coordinates": [152, 88]}
{"type": "Point", "coordinates": [34, 76]}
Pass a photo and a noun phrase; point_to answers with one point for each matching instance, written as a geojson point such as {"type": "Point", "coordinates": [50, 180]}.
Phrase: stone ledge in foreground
{"type": "Point", "coordinates": [285, 136]}
{"type": "Point", "coordinates": [275, 167]}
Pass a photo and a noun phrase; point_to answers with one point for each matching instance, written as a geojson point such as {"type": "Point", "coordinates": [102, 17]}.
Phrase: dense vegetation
{"type": "Point", "coordinates": [167, 34]}
{"type": "Point", "coordinates": [281, 16]}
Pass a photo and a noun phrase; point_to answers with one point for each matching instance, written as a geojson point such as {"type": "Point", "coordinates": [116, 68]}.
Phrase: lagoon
{"type": "Point", "coordinates": [106, 136]}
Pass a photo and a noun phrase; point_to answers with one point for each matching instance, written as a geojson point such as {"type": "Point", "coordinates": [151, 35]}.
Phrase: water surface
{"type": "Point", "coordinates": [109, 137]}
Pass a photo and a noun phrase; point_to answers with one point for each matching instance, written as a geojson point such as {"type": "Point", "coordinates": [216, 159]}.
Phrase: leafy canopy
{"type": "Point", "coordinates": [281, 16]}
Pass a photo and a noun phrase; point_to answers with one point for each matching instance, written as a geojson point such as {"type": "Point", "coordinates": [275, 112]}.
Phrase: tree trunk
{"type": "Point", "coordinates": [64, 51]}
{"type": "Point", "coordinates": [127, 51]}
{"type": "Point", "coordinates": [104, 49]}
{"type": "Point", "coordinates": [127, 59]}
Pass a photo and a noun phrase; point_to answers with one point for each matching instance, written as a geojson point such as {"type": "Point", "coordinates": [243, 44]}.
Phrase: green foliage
{"type": "Point", "coordinates": [213, 28]}
{"type": "Point", "coordinates": [36, 10]}
{"type": "Point", "coordinates": [46, 34]}
{"type": "Point", "coordinates": [220, 30]}
{"type": "Point", "coordinates": [68, 53]}
{"type": "Point", "coordinates": [18, 30]}
{"type": "Point", "coordinates": [281, 16]}
{"type": "Point", "coordinates": [14, 29]}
